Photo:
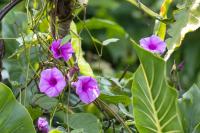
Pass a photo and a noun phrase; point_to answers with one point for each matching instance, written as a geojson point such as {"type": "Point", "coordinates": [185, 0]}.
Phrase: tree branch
{"type": "Point", "coordinates": [8, 7]}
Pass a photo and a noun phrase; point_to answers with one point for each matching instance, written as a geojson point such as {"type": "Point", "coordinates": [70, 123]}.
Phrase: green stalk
{"type": "Point", "coordinates": [160, 27]}
{"type": "Point", "coordinates": [146, 9]}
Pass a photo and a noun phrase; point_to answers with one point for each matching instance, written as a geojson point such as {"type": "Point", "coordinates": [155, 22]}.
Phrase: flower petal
{"type": "Point", "coordinates": [78, 86]}
{"type": "Point", "coordinates": [55, 48]}
{"type": "Point", "coordinates": [153, 44]}
{"type": "Point", "coordinates": [84, 97]}
{"type": "Point", "coordinates": [144, 42]}
{"type": "Point", "coordinates": [52, 92]}
{"type": "Point", "coordinates": [46, 86]}
{"type": "Point", "coordinates": [87, 89]}
{"type": "Point", "coordinates": [93, 94]}
{"type": "Point", "coordinates": [66, 51]}
{"type": "Point", "coordinates": [43, 85]}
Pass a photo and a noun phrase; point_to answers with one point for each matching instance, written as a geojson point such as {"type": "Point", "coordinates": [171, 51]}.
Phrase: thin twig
{"type": "Point", "coordinates": [99, 102]}
{"type": "Point", "coordinates": [124, 73]}
{"type": "Point", "coordinates": [29, 82]}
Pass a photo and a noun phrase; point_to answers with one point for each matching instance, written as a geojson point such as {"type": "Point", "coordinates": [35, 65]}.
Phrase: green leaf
{"type": "Point", "coordinates": [44, 101]}
{"type": "Point", "coordinates": [124, 111]}
{"type": "Point", "coordinates": [84, 67]}
{"type": "Point", "coordinates": [189, 105]}
{"type": "Point", "coordinates": [13, 117]}
{"type": "Point", "coordinates": [109, 41]}
{"type": "Point", "coordinates": [34, 112]}
{"type": "Point", "coordinates": [187, 20]}
{"type": "Point", "coordinates": [55, 131]}
{"type": "Point", "coordinates": [88, 122]}
{"type": "Point", "coordinates": [115, 99]}
{"type": "Point", "coordinates": [12, 28]}
{"type": "Point", "coordinates": [96, 24]}
{"type": "Point", "coordinates": [77, 131]}
{"type": "Point", "coordinates": [154, 101]}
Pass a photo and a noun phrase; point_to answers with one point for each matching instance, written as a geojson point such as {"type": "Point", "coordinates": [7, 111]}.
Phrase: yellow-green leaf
{"type": "Point", "coordinates": [187, 20]}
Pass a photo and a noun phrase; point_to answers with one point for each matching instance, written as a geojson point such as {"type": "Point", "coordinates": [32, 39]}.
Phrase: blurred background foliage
{"type": "Point", "coordinates": [104, 19]}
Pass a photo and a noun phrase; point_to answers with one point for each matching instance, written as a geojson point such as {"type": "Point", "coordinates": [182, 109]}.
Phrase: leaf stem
{"type": "Point", "coordinates": [146, 9]}
{"type": "Point", "coordinates": [101, 103]}
{"type": "Point", "coordinates": [160, 27]}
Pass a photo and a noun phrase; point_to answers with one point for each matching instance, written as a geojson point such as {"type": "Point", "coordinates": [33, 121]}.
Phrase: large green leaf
{"type": "Point", "coordinates": [187, 20]}
{"type": "Point", "coordinates": [14, 118]}
{"type": "Point", "coordinates": [154, 101]}
{"type": "Point", "coordinates": [189, 105]}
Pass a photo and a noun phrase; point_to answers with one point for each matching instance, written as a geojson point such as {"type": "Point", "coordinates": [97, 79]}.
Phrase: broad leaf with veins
{"type": "Point", "coordinates": [154, 101]}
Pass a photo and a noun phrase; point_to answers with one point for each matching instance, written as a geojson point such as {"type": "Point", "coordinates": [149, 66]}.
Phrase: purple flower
{"type": "Point", "coordinates": [86, 88]}
{"type": "Point", "coordinates": [52, 82]}
{"type": "Point", "coordinates": [61, 51]}
{"type": "Point", "coordinates": [42, 125]}
{"type": "Point", "coordinates": [153, 44]}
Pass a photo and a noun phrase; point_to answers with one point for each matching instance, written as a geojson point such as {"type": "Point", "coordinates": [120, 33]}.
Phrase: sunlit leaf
{"type": "Point", "coordinates": [109, 41]}
{"type": "Point", "coordinates": [77, 131]}
{"type": "Point", "coordinates": [84, 67]}
{"type": "Point", "coordinates": [160, 27]}
{"type": "Point", "coordinates": [55, 131]}
{"type": "Point", "coordinates": [187, 20]}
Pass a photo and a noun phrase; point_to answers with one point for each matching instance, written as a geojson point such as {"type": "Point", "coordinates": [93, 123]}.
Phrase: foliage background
{"type": "Point", "coordinates": [105, 19]}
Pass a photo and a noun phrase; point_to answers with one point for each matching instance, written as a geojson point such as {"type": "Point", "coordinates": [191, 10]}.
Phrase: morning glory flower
{"type": "Point", "coordinates": [64, 51]}
{"type": "Point", "coordinates": [52, 82]}
{"type": "Point", "coordinates": [86, 88]}
{"type": "Point", "coordinates": [42, 125]}
{"type": "Point", "coordinates": [153, 44]}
